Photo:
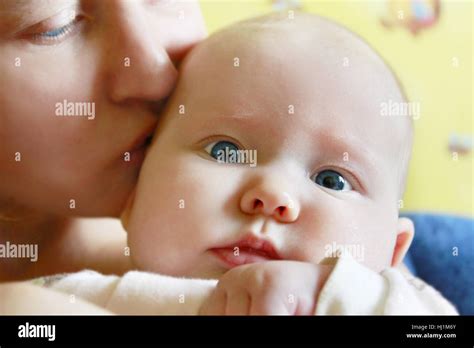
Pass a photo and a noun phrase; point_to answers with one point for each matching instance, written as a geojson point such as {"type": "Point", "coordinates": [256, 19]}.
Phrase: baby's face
{"type": "Point", "coordinates": [322, 172]}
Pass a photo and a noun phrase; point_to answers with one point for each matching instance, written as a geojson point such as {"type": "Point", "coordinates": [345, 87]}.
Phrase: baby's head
{"type": "Point", "coordinates": [324, 169]}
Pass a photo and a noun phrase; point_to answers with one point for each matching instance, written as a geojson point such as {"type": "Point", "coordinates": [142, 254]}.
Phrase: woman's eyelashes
{"type": "Point", "coordinates": [57, 35]}
{"type": "Point", "coordinates": [332, 180]}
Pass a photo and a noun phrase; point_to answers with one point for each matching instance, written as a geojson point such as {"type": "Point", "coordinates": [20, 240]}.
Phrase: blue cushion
{"type": "Point", "coordinates": [442, 254]}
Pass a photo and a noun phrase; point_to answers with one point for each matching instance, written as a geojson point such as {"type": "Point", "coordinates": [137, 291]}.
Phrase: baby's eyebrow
{"type": "Point", "coordinates": [243, 119]}
{"type": "Point", "coordinates": [347, 148]}
{"type": "Point", "coordinates": [235, 116]}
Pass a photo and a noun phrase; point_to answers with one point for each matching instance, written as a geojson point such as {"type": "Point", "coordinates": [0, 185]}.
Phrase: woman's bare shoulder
{"type": "Point", "coordinates": [99, 244]}
{"type": "Point", "coordinates": [23, 298]}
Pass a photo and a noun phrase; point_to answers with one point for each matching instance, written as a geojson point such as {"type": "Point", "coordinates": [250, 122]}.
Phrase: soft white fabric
{"type": "Point", "coordinates": [350, 289]}
{"type": "Point", "coordinates": [354, 289]}
{"type": "Point", "coordinates": [137, 292]}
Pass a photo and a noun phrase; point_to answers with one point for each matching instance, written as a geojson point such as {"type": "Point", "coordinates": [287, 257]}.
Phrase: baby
{"type": "Point", "coordinates": [274, 172]}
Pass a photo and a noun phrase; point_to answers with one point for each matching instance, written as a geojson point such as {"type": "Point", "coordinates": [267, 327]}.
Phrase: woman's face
{"type": "Point", "coordinates": [81, 84]}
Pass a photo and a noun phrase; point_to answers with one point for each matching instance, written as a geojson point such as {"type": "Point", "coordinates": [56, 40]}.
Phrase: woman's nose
{"type": "Point", "coordinates": [138, 66]}
{"type": "Point", "coordinates": [270, 200]}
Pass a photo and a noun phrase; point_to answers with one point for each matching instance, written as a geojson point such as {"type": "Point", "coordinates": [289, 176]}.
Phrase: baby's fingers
{"type": "Point", "coordinates": [215, 304]}
{"type": "Point", "coordinates": [269, 304]}
{"type": "Point", "coordinates": [238, 303]}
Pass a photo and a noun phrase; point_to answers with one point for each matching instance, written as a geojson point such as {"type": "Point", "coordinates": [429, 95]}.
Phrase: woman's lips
{"type": "Point", "coordinates": [137, 156]}
{"type": "Point", "coordinates": [138, 148]}
{"type": "Point", "coordinates": [143, 139]}
{"type": "Point", "coordinates": [248, 250]}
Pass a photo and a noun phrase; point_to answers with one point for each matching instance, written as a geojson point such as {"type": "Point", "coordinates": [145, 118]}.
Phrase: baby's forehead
{"type": "Point", "coordinates": [278, 36]}
{"type": "Point", "coordinates": [288, 65]}
{"type": "Point", "coordinates": [279, 54]}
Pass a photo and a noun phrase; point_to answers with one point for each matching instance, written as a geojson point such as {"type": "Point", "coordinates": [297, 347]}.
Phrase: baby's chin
{"type": "Point", "coordinates": [199, 270]}
{"type": "Point", "coordinates": [207, 274]}
{"type": "Point", "coordinates": [205, 270]}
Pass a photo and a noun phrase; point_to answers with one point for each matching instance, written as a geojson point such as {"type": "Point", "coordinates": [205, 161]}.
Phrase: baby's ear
{"type": "Point", "coordinates": [124, 217]}
{"type": "Point", "coordinates": [405, 234]}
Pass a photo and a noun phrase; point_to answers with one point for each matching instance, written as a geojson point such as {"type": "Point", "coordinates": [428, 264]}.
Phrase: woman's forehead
{"type": "Point", "coordinates": [27, 5]}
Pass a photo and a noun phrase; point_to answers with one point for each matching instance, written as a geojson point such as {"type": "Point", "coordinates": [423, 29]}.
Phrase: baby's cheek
{"type": "Point", "coordinates": [378, 241]}
{"type": "Point", "coordinates": [336, 227]}
{"type": "Point", "coordinates": [170, 208]}
{"type": "Point", "coordinates": [316, 230]}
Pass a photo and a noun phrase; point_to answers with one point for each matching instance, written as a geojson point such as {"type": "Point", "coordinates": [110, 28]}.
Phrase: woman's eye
{"type": "Point", "coordinates": [56, 32]}
{"type": "Point", "coordinates": [222, 151]}
{"type": "Point", "coordinates": [55, 35]}
{"type": "Point", "coordinates": [332, 180]}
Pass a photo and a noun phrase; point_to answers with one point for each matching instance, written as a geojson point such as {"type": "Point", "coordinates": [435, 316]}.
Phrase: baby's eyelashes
{"type": "Point", "coordinates": [332, 180]}
{"type": "Point", "coordinates": [227, 151]}
{"type": "Point", "coordinates": [218, 149]}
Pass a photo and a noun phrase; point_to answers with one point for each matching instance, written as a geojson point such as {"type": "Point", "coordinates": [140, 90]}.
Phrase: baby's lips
{"type": "Point", "coordinates": [248, 249]}
{"type": "Point", "coordinates": [235, 257]}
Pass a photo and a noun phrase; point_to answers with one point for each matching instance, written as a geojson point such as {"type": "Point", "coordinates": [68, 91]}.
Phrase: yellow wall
{"type": "Point", "coordinates": [426, 66]}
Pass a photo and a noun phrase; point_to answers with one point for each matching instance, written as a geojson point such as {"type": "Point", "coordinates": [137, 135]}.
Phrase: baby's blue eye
{"type": "Point", "coordinates": [218, 149]}
{"type": "Point", "coordinates": [332, 180]}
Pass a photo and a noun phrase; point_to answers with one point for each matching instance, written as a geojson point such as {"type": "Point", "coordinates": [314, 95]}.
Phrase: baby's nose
{"type": "Point", "coordinates": [271, 201]}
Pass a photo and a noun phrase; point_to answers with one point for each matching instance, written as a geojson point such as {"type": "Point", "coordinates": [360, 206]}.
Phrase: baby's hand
{"type": "Point", "coordinates": [268, 288]}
